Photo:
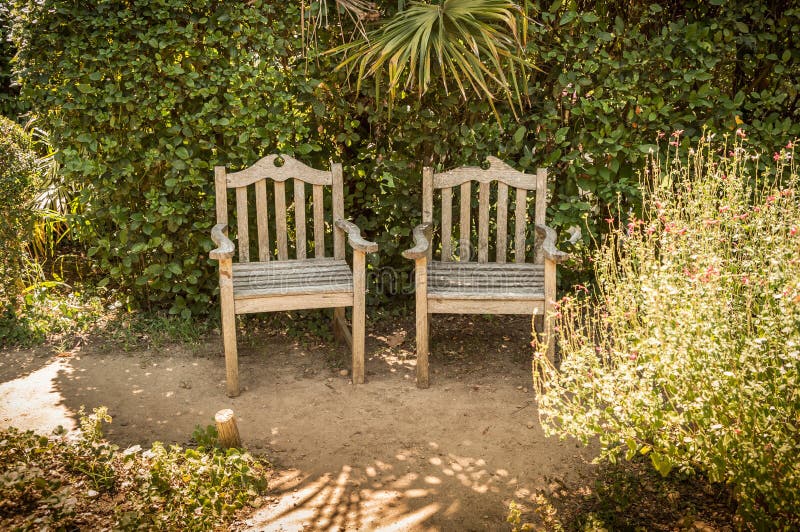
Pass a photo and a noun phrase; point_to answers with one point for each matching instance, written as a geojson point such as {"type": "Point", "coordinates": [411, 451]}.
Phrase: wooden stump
{"type": "Point", "coordinates": [227, 431]}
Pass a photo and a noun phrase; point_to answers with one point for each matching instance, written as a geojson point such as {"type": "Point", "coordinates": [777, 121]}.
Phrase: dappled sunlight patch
{"type": "Point", "coordinates": [34, 401]}
{"type": "Point", "coordinates": [404, 495]}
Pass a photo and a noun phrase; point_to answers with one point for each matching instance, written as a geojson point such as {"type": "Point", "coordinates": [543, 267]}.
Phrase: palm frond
{"type": "Point", "coordinates": [473, 44]}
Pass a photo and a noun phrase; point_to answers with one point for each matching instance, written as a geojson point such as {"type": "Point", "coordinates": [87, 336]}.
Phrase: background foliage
{"type": "Point", "coordinates": [19, 180]}
{"type": "Point", "coordinates": [143, 101]}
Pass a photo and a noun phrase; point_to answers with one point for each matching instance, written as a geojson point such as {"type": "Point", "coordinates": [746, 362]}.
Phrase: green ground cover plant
{"type": "Point", "coordinates": [688, 350]}
{"type": "Point", "coordinates": [64, 483]}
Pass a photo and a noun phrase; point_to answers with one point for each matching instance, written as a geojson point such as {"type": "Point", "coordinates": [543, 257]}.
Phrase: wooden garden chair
{"type": "Point", "coordinates": [463, 286]}
{"type": "Point", "coordinates": [304, 282]}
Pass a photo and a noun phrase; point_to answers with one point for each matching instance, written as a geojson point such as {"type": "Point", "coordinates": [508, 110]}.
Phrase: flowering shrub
{"type": "Point", "coordinates": [688, 351]}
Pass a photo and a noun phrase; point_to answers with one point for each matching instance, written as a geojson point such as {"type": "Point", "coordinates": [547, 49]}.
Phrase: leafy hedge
{"type": "Point", "coordinates": [143, 101]}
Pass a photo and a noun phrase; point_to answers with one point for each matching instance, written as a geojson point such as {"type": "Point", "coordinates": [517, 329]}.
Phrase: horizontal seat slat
{"type": "Point", "coordinates": [489, 294]}
{"type": "Point", "coordinates": [290, 291]}
{"type": "Point", "coordinates": [487, 267]}
{"type": "Point", "coordinates": [295, 277]}
{"type": "Point", "coordinates": [287, 264]}
{"type": "Point", "coordinates": [485, 281]}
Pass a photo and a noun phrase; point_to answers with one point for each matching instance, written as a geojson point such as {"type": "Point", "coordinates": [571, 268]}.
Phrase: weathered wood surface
{"type": "Point", "coordinates": [520, 224]}
{"type": "Point", "coordinates": [293, 302]}
{"type": "Point", "coordinates": [502, 221]}
{"type": "Point", "coordinates": [354, 238]}
{"type": "Point", "coordinates": [228, 312]}
{"type": "Point", "coordinates": [291, 277]}
{"type": "Point", "coordinates": [262, 220]}
{"type": "Point", "coordinates": [497, 171]}
{"type": "Point", "coordinates": [319, 221]}
{"type": "Point", "coordinates": [526, 280]}
{"type": "Point", "coordinates": [225, 247]}
{"type": "Point", "coordinates": [300, 218]}
{"type": "Point", "coordinates": [227, 431]}
{"type": "Point", "coordinates": [284, 284]}
{"type": "Point", "coordinates": [483, 222]}
{"type": "Point", "coordinates": [281, 234]}
{"type": "Point", "coordinates": [483, 287]}
{"type": "Point", "coordinates": [221, 192]}
{"type": "Point", "coordinates": [464, 222]}
{"type": "Point", "coordinates": [266, 168]}
{"type": "Point", "coordinates": [242, 237]}
{"type": "Point", "coordinates": [547, 238]}
{"type": "Point", "coordinates": [422, 242]}
{"type": "Point", "coordinates": [359, 313]}
{"type": "Point", "coordinates": [540, 209]}
{"type": "Point", "coordinates": [422, 322]}
{"type": "Point", "coordinates": [445, 305]}
{"type": "Point", "coordinates": [338, 209]}
{"type": "Point", "coordinates": [447, 224]}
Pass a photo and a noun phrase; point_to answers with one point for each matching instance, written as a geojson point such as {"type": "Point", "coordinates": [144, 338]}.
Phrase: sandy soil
{"type": "Point", "coordinates": [382, 456]}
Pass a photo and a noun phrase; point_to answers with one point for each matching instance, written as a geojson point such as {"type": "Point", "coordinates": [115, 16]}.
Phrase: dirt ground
{"type": "Point", "coordinates": [382, 456]}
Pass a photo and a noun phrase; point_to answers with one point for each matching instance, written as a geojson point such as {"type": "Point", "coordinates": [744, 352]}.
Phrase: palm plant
{"type": "Point", "coordinates": [472, 44]}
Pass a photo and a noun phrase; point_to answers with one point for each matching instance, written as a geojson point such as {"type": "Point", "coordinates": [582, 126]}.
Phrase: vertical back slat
{"type": "Point", "coordinates": [280, 220]}
{"type": "Point", "coordinates": [319, 222]}
{"type": "Point", "coordinates": [483, 222]}
{"type": "Point", "coordinates": [338, 210]}
{"type": "Point", "coordinates": [243, 240]}
{"type": "Point", "coordinates": [520, 221]}
{"type": "Point", "coordinates": [262, 220]}
{"type": "Point", "coordinates": [447, 224]}
{"type": "Point", "coordinates": [464, 222]}
{"type": "Point", "coordinates": [427, 200]}
{"type": "Point", "coordinates": [300, 217]}
{"type": "Point", "coordinates": [541, 206]}
{"type": "Point", "coordinates": [221, 193]}
{"type": "Point", "coordinates": [502, 221]}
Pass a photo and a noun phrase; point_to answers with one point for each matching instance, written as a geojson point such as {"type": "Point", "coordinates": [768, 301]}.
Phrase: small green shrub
{"type": "Point", "coordinates": [87, 483]}
{"type": "Point", "coordinates": [689, 350]}
{"type": "Point", "coordinates": [18, 181]}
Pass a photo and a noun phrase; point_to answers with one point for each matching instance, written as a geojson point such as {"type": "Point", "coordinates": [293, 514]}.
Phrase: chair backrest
{"type": "Point", "coordinates": [505, 177]}
{"type": "Point", "coordinates": [268, 169]}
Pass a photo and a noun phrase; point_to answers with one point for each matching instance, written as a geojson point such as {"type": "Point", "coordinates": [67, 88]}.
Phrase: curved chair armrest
{"type": "Point", "coordinates": [548, 244]}
{"type": "Point", "coordinates": [422, 241]}
{"type": "Point", "coordinates": [354, 236]}
{"type": "Point", "coordinates": [224, 244]}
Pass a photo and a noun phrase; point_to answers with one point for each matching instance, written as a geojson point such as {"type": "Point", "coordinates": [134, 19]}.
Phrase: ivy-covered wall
{"type": "Point", "coordinates": [143, 98]}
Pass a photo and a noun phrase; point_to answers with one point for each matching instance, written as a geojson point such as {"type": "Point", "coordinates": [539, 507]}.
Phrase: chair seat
{"type": "Point", "coordinates": [291, 277]}
{"type": "Point", "coordinates": [473, 280]}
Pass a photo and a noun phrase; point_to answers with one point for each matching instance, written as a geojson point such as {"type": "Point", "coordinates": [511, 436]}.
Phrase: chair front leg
{"type": "Point", "coordinates": [421, 280]}
{"type": "Point", "coordinates": [229, 326]}
{"type": "Point", "coordinates": [549, 308]}
{"type": "Point", "coordinates": [359, 315]}
{"type": "Point", "coordinates": [341, 332]}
